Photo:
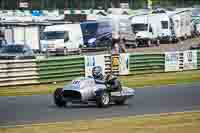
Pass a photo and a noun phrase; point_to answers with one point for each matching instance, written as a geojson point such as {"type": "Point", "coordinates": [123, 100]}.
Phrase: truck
{"type": "Point", "coordinates": [73, 36]}
{"type": "Point", "coordinates": [96, 33]}
{"type": "Point", "coordinates": [146, 29]}
{"type": "Point", "coordinates": [59, 37]}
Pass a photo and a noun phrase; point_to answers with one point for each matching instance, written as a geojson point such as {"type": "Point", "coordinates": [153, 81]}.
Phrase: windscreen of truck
{"type": "Point", "coordinates": [53, 35]}
{"type": "Point", "coordinates": [164, 24]}
{"type": "Point", "coordinates": [12, 49]}
{"type": "Point", "coordinates": [139, 27]}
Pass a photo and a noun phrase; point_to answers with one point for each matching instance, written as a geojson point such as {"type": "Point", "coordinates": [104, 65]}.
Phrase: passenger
{"type": "Point", "coordinates": [114, 84]}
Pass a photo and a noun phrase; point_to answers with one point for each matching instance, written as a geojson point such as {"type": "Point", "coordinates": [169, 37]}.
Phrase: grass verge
{"type": "Point", "coordinates": [130, 81]}
{"type": "Point", "coordinates": [164, 123]}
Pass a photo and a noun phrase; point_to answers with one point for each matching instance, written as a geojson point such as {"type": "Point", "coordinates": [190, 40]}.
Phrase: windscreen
{"type": "Point", "coordinates": [54, 35]}
{"type": "Point", "coordinates": [12, 49]}
{"type": "Point", "coordinates": [139, 27]}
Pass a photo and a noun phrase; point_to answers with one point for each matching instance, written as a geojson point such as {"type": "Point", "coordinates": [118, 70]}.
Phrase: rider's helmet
{"type": "Point", "coordinates": [97, 72]}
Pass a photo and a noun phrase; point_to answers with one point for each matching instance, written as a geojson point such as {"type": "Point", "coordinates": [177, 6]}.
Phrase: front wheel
{"type": "Point", "coordinates": [103, 100]}
{"type": "Point", "coordinates": [149, 44]}
{"type": "Point", "coordinates": [58, 98]}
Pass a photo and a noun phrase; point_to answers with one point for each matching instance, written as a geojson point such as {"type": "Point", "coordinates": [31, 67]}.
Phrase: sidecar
{"type": "Point", "coordinates": [86, 90]}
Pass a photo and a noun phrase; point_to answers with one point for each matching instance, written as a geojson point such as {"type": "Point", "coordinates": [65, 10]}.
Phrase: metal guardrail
{"type": "Point", "coordinates": [198, 59]}
{"type": "Point", "coordinates": [60, 69]}
{"type": "Point", "coordinates": [55, 69]}
{"type": "Point", "coordinates": [147, 63]}
{"type": "Point", "coordinates": [17, 72]}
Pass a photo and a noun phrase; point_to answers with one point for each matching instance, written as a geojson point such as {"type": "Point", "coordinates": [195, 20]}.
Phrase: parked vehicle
{"type": "Point", "coordinates": [58, 37]}
{"type": "Point", "coordinates": [158, 26]}
{"type": "Point", "coordinates": [16, 51]}
{"type": "Point", "coordinates": [146, 28]}
{"type": "Point", "coordinates": [97, 33]}
{"type": "Point", "coordinates": [122, 24]}
{"type": "Point", "coordinates": [196, 21]}
{"type": "Point", "coordinates": [86, 90]}
{"type": "Point", "coordinates": [181, 23]}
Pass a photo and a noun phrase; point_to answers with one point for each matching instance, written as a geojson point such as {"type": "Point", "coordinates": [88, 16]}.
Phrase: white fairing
{"type": "Point", "coordinates": [86, 87]}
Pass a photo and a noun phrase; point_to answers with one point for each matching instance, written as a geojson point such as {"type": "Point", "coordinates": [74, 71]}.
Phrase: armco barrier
{"type": "Point", "coordinates": [48, 70]}
{"type": "Point", "coordinates": [17, 72]}
{"type": "Point", "coordinates": [60, 69]}
{"type": "Point", "coordinates": [147, 63]}
{"type": "Point", "coordinates": [198, 59]}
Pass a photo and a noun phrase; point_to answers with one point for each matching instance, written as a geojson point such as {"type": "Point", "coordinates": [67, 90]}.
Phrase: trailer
{"type": "Point", "coordinates": [121, 24]}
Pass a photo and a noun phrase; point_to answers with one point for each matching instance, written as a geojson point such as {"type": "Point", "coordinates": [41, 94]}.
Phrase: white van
{"type": "Point", "coordinates": [146, 29]}
{"type": "Point", "coordinates": [58, 37]}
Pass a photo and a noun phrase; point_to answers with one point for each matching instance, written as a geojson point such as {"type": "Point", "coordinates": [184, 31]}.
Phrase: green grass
{"type": "Point", "coordinates": [164, 123]}
{"type": "Point", "coordinates": [157, 79]}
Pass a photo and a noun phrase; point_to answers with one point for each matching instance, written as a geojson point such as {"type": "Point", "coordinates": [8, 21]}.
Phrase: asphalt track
{"type": "Point", "coordinates": [39, 109]}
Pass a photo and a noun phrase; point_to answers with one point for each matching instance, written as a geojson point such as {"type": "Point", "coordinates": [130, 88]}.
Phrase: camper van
{"type": "Point", "coordinates": [169, 26]}
{"type": "Point", "coordinates": [181, 23]}
{"type": "Point", "coordinates": [58, 37]}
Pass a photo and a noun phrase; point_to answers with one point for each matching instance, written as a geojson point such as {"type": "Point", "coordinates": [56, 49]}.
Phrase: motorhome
{"type": "Point", "coordinates": [170, 26]}
{"type": "Point", "coordinates": [58, 37]}
{"type": "Point", "coordinates": [181, 23]}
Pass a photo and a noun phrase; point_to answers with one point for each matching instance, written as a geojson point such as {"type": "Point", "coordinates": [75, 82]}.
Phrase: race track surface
{"type": "Point", "coordinates": [39, 109]}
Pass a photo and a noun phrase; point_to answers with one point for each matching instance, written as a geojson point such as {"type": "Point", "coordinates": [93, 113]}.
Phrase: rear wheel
{"type": "Point", "coordinates": [158, 42]}
{"type": "Point", "coordinates": [58, 98]}
{"type": "Point", "coordinates": [103, 100]}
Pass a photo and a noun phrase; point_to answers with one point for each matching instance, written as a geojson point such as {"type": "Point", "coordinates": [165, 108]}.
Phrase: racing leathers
{"type": "Point", "coordinates": [114, 84]}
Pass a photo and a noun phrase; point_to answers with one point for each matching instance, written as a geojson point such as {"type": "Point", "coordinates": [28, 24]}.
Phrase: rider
{"type": "Point", "coordinates": [97, 75]}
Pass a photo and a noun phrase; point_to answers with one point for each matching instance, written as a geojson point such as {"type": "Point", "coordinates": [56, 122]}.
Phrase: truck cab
{"type": "Point", "coordinates": [59, 37]}
{"type": "Point", "coordinates": [143, 29]}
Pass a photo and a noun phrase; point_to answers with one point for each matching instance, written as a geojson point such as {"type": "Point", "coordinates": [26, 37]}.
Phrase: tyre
{"type": "Point", "coordinates": [157, 42]}
{"type": "Point", "coordinates": [103, 100]}
{"type": "Point", "coordinates": [58, 98]}
{"type": "Point", "coordinates": [120, 102]}
{"type": "Point", "coordinates": [149, 44]}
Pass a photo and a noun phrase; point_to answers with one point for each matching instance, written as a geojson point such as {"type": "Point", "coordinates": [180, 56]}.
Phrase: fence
{"type": "Point", "coordinates": [60, 69]}
{"type": "Point", "coordinates": [147, 63]}
{"type": "Point", "coordinates": [16, 72]}
{"type": "Point", "coordinates": [198, 59]}
{"type": "Point", "coordinates": [48, 70]}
